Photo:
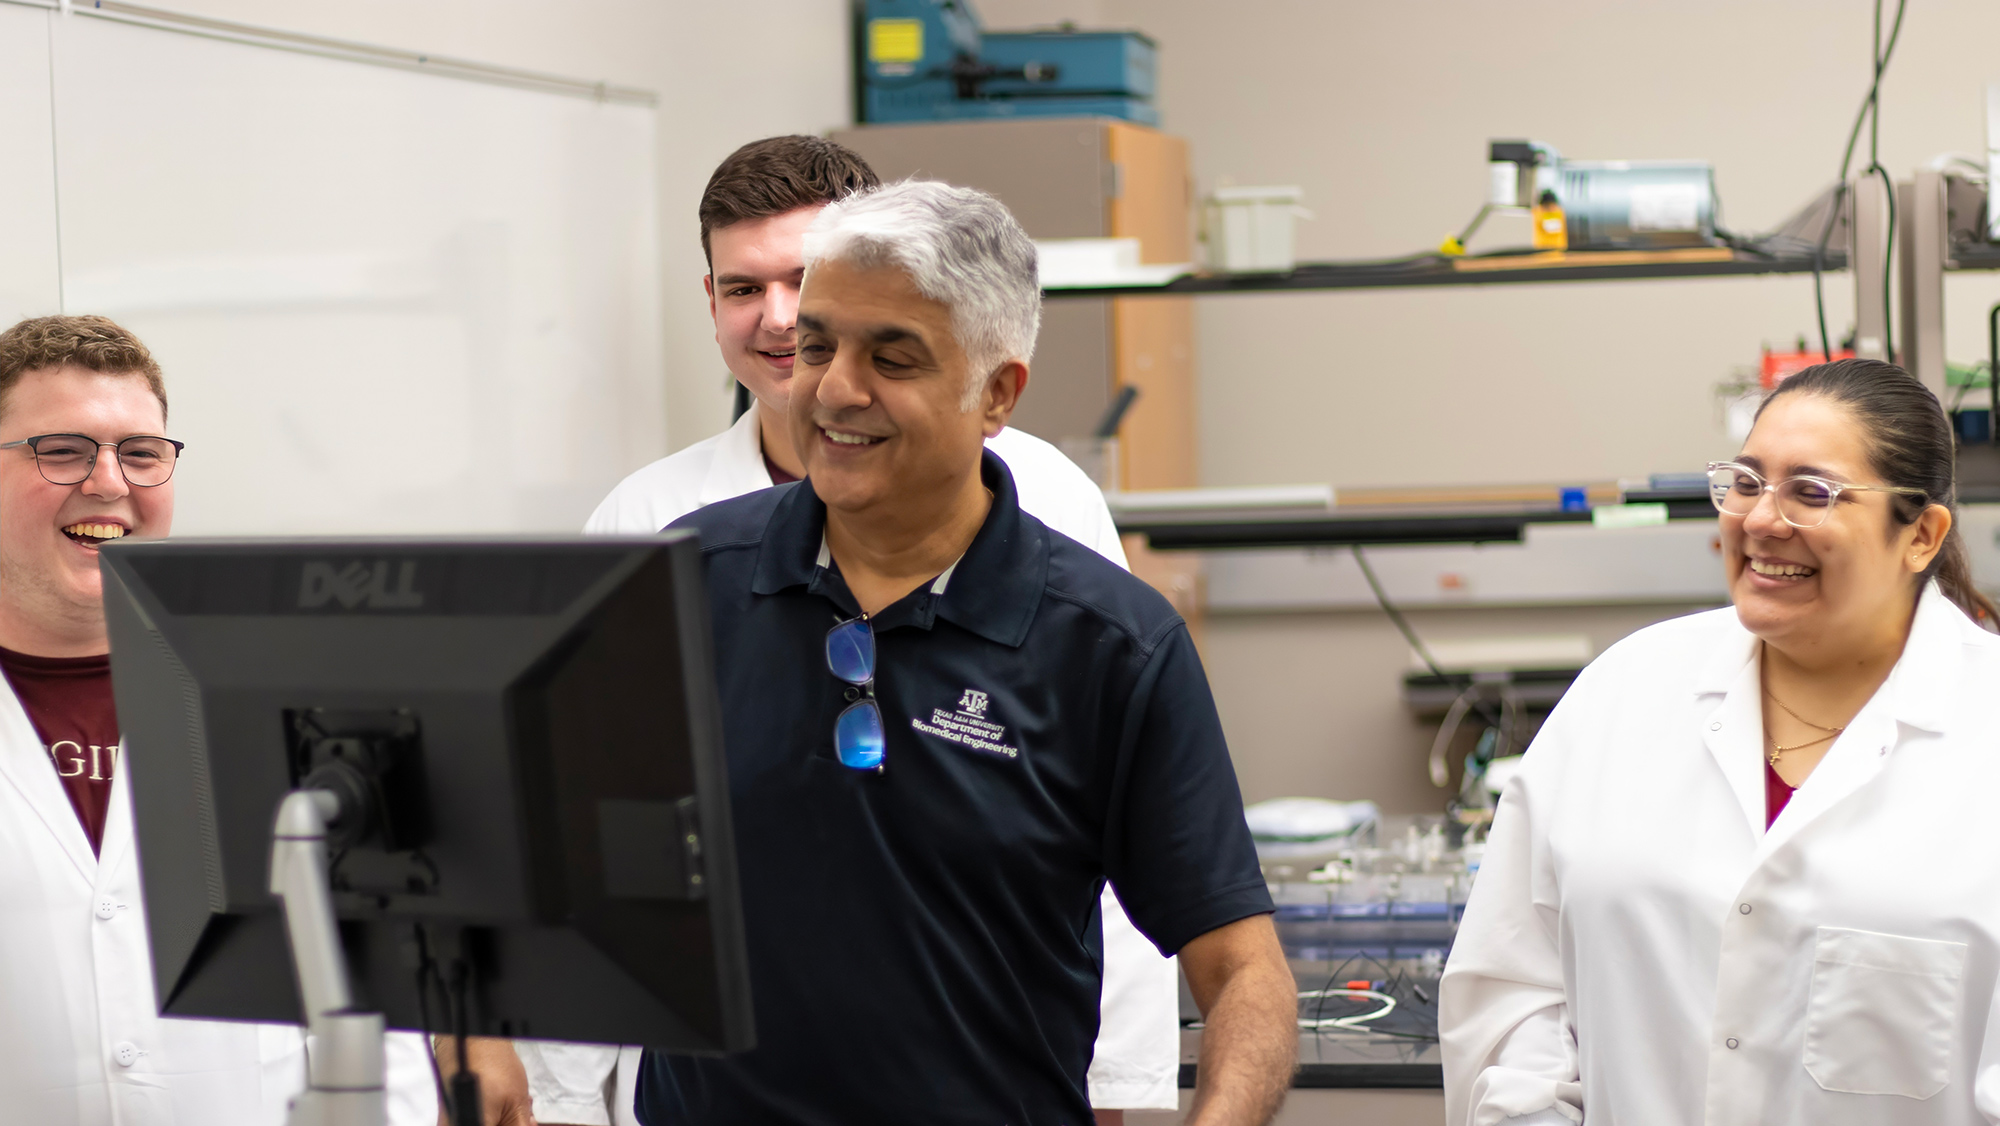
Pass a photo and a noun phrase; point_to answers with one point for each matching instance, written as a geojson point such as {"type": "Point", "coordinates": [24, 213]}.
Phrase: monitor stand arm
{"type": "Point", "coordinates": [345, 1066]}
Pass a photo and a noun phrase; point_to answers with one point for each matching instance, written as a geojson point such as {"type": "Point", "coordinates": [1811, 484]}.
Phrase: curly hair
{"type": "Point", "coordinates": [93, 343]}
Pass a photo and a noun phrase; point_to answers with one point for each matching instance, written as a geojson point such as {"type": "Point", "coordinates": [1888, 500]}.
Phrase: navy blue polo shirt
{"type": "Point", "coordinates": [923, 941]}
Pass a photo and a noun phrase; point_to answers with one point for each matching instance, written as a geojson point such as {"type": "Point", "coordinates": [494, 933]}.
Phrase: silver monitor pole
{"type": "Point", "coordinates": [345, 1066]}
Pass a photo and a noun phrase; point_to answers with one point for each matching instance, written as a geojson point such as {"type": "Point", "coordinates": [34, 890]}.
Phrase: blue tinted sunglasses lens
{"type": "Point", "coordinates": [857, 736]}
{"type": "Point", "coordinates": [850, 652]}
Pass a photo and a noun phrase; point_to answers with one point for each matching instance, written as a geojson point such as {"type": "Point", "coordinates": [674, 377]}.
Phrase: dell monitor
{"type": "Point", "coordinates": [524, 735]}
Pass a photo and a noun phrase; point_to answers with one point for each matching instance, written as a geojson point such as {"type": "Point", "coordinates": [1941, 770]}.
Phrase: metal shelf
{"type": "Point", "coordinates": [1612, 265]}
{"type": "Point", "coordinates": [1202, 531]}
{"type": "Point", "coordinates": [1978, 256]}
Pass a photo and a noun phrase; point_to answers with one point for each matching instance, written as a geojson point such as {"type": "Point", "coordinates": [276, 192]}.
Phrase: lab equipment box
{"type": "Point", "coordinates": [929, 60]}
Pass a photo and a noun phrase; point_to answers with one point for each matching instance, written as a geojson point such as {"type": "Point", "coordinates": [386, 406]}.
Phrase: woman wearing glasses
{"type": "Point", "coordinates": [1746, 875]}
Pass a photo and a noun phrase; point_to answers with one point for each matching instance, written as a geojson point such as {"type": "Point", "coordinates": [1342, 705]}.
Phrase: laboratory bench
{"type": "Point", "coordinates": [1366, 920]}
{"type": "Point", "coordinates": [1397, 1054]}
{"type": "Point", "coordinates": [1324, 1066]}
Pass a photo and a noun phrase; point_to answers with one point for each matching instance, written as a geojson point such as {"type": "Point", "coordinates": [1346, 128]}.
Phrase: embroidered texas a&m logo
{"type": "Point", "coordinates": [968, 726]}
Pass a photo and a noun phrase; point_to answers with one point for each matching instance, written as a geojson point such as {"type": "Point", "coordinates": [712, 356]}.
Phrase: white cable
{"type": "Point", "coordinates": [1388, 1006]}
{"type": "Point", "coordinates": [1441, 746]}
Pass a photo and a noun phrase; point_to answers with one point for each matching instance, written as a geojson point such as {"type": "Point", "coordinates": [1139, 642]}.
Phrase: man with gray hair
{"type": "Point", "coordinates": [948, 726]}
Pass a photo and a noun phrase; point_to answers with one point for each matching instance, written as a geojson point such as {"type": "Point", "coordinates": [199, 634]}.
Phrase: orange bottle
{"type": "Point", "coordinates": [1551, 228]}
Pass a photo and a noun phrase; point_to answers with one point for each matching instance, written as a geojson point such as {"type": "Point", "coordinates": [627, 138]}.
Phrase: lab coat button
{"type": "Point", "coordinates": [1731, 1042]}
{"type": "Point", "coordinates": [1716, 726]}
{"type": "Point", "coordinates": [126, 1053]}
{"type": "Point", "coordinates": [1744, 908]}
{"type": "Point", "coordinates": [107, 907]}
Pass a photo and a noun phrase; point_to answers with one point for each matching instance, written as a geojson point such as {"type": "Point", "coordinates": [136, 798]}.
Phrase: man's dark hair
{"type": "Point", "coordinates": [780, 174]}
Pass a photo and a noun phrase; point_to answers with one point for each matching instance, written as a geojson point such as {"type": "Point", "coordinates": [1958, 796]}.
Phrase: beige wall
{"type": "Point", "coordinates": [1312, 702]}
{"type": "Point", "coordinates": [724, 76]}
{"type": "Point", "coordinates": [1382, 112]}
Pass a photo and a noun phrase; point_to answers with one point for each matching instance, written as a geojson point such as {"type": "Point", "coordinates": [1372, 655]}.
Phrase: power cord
{"type": "Point", "coordinates": [1321, 1024]}
{"type": "Point", "coordinates": [1469, 689]}
{"type": "Point", "coordinates": [1870, 112]}
{"type": "Point", "coordinates": [427, 973]}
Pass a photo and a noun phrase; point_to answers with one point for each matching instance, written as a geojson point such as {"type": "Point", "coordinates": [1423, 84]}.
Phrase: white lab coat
{"type": "Point", "coordinates": [1640, 949]}
{"type": "Point", "coordinates": [1136, 1064]}
{"type": "Point", "coordinates": [81, 1041]}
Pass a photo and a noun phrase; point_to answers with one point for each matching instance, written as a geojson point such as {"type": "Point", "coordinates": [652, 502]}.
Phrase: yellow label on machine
{"type": "Point", "coordinates": [895, 41]}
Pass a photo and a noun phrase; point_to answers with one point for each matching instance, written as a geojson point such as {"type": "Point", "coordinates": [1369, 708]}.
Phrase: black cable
{"type": "Point", "coordinates": [1993, 373]}
{"type": "Point", "coordinates": [1819, 266]}
{"type": "Point", "coordinates": [466, 1108]}
{"type": "Point", "coordinates": [1875, 89]}
{"type": "Point", "coordinates": [1875, 167]}
{"type": "Point", "coordinates": [427, 972]}
{"type": "Point", "coordinates": [1888, 261]}
{"type": "Point", "coordinates": [458, 992]}
{"type": "Point", "coordinates": [1400, 262]}
{"type": "Point", "coordinates": [1870, 106]}
{"type": "Point", "coordinates": [1410, 635]}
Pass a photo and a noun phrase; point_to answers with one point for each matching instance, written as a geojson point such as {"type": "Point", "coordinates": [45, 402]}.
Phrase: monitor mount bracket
{"type": "Point", "coordinates": [345, 1064]}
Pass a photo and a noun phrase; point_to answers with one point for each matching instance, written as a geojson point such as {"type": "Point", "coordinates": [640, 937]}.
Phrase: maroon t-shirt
{"type": "Point", "coordinates": [68, 699]}
{"type": "Point", "coordinates": [1776, 794]}
{"type": "Point", "coordinates": [778, 476]}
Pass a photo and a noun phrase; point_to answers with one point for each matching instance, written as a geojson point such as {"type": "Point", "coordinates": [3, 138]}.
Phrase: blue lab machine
{"type": "Point", "coordinates": [929, 60]}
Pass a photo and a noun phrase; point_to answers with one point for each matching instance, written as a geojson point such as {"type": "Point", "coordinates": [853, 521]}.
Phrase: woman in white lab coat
{"type": "Point", "coordinates": [1746, 875]}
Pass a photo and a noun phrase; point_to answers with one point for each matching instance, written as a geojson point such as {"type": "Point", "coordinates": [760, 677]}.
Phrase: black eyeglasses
{"type": "Point", "coordinates": [858, 738]}
{"type": "Point", "coordinates": [70, 459]}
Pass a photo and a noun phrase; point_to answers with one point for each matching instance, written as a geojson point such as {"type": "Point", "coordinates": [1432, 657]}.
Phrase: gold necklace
{"type": "Point", "coordinates": [1777, 749]}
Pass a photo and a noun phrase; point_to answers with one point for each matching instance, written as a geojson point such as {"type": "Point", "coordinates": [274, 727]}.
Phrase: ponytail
{"type": "Point", "coordinates": [1952, 569]}
{"type": "Point", "coordinates": [1910, 444]}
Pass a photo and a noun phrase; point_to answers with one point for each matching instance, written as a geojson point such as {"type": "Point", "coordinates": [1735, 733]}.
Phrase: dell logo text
{"type": "Point", "coordinates": [360, 584]}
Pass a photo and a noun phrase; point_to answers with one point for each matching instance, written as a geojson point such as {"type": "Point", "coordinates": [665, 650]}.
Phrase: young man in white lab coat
{"type": "Point", "coordinates": [84, 459]}
{"type": "Point", "coordinates": [754, 214]}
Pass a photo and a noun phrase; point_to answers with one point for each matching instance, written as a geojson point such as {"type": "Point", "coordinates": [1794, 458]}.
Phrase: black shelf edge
{"type": "Point", "coordinates": [1506, 526]}
{"type": "Point", "coordinates": [1333, 275]}
{"type": "Point", "coordinates": [1340, 531]}
{"type": "Point", "coordinates": [1984, 256]}
{"type": "Point", "coordinates": [1353, 1076]}
{"type": "Point", "coordinates": [1363, 531]}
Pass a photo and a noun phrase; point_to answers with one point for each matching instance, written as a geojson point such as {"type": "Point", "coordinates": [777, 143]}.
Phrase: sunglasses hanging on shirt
{"type": "Point", "coordinates": [858, 737]}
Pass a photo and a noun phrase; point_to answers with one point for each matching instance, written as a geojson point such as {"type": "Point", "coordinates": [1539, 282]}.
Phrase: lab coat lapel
{"type": "Point", "coordinates": [1915, 699]}
{"type": "Point", "coordinates": [738, 467]}
{"type": "Point", "coordinates": [25, 766]}
{"type": "Point", "coordinates": [1734, 730]}
{"type": "Point", "coordinates": [116, 846]}
{"type": "Point", "coordinates": [1854, 759]}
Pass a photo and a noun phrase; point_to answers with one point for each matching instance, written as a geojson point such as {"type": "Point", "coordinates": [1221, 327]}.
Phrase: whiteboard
{"type": "Point", "coordinates": [385, 301]}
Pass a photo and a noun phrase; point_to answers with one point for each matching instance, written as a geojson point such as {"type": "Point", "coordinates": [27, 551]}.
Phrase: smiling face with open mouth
{"type": "Point", "coordinates": [49, 533]}
{"type": "Point", "coordinates": [1819, 588]}
{"type": "Point", "coordinates": [753, 294]}
{"type": "Point", "coordinates": [879, 409]}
